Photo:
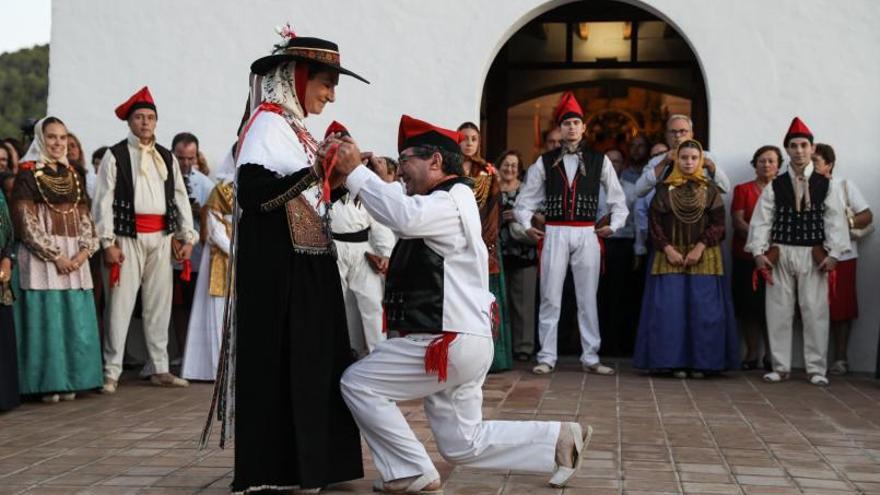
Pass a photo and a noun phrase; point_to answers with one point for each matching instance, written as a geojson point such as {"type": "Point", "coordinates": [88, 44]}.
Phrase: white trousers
{"type": "Point", "coordinates": [579, 248]}
{"type": "Point", "coordinates": [147, 267]}
{"type": "Point", "coordinates": [797, 280]}
{"type": "Point", "coordinates": [395, 371]}
{"type": "Point", "coordinates": [362, 289]}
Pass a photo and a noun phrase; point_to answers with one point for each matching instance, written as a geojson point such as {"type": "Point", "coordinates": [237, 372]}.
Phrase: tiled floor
{"type": "Point", "coordinates": [725, 435]}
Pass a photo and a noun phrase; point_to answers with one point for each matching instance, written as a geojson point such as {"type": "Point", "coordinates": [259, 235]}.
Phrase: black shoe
{"type": "Point", "coordinates": [749, 365]}
{"type": "Point", "coordinates": [522, 357]}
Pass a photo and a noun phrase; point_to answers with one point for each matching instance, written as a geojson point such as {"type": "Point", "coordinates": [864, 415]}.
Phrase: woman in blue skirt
{"type": "Point", "coordinates": [687, 323]}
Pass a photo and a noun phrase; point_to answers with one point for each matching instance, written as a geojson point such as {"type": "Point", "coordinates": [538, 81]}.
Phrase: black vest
{"type": "Point", "coordinates": [576, 200]}
{"type": "Point", "coordinates": [123, 193]}
{"type": "Point", "coordinates": [804, 228]}
{"type": "Point", "coordinates": [413, 301]}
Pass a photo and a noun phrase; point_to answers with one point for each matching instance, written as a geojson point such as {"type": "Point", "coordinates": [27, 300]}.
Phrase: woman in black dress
{"type": "Point", "coordinates": [290, 338]}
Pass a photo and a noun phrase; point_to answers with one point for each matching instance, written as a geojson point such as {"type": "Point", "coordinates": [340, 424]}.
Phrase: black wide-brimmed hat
{"type": "Point", "coordinates": [304, 49]}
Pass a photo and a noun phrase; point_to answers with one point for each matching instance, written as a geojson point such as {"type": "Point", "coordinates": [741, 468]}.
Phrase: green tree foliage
{"type": "Point", "coordinates": [24, 87]}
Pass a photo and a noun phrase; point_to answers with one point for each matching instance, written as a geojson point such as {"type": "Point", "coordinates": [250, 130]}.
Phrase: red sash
{"type": "Point", "coordinates": [148, 224]}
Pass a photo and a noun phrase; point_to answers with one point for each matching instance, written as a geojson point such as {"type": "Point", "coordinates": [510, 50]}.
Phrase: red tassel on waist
{"type": "Point", "coordinates": [186, 271]}
{"type": "Point", "coordinates": [437, 355]}
{"type": "Point", "coordinates": [147, 224]}
{"type": "Point", "coordinates": [115, 271]}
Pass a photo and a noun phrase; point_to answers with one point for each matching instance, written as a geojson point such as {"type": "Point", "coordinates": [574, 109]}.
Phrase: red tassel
{"type": "Point", "coordinates": [115, 271]}
{"type": "Point", "coordinates": [763, 273]}
{"type": "Point", "coordinates": [601, 254]}
{"type": "Point", "coordinates": [328, 165]}
{"type": "Point", "coordinates": [384, 320]}
{"type": "Point", "coordinates": [437, 355]}
{"type": "Point", "coordinates": [186, 273]}
{"type": "Point", "coordinates": [495, 316]}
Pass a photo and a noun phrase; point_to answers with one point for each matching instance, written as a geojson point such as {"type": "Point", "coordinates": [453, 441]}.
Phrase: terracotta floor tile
{"type": "Point", "coordinates": [717, 435]}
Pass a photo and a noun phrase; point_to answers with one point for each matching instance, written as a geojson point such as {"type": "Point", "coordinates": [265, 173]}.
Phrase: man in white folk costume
{"type": "Point", "coordinates": [567, 182]}
{"type": "Point", "coordinates": [797, 233]}
{"type": "Point", "coordinates": [142, 216]}
{"type": "Point", "coordinates": [363, 246]}
{"type": "Point", "coordinates": [437, 296]}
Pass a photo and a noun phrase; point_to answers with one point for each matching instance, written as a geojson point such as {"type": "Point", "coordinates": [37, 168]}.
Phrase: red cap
{"type": "Point", "coordinates": [141, 99]}
{"type": "Point", "coordinates": [336, 128]}
{"type": "Point", "coordinates": [568, 108]}
{"type": "Point", "coordinates": [797, 129]}
{"type": "Point", "coordinates": [415, 132]}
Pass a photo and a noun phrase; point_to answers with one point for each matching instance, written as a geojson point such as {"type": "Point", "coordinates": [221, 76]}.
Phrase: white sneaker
{"type": "Point", "coordinates": [775, 377]}
{"type": "Point", "coordinates": [680, 374]}
{"type": "Point", "coordinates": [599, 369]}
{"type": "Point", "coordinates": [819, 380]}
{"type": "Point", "coordinates": [542, 369]}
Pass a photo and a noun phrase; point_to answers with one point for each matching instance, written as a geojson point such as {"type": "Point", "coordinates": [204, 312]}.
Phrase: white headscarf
{"type": "Point", "coordinates": [277, 87]}
{"type": "Point", "coordinates": [37, 151]}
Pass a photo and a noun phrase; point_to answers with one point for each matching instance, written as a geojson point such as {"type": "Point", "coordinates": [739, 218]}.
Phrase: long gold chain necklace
{"type": "Point", "coordinates": [61, 187]}
{"type": "Point", "coordinates": [688, 203]}
{"type": "Point", "coordinates": [482, 186]}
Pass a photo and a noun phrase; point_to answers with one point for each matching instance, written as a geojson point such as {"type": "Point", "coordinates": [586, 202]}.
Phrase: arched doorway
{"type": "Point", "coordinates": [628, 67]}
{"type": "Point", "coordinates": [621, 61]}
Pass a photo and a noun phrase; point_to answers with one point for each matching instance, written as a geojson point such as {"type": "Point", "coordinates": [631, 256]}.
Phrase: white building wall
{"type": "Point", "coordinates": [763, 62]}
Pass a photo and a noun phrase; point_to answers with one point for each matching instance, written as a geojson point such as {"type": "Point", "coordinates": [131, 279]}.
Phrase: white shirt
{"type": "Point", "coordinates": [149, 196]}
{"type": "Point", "coordinates": [857, 204]}
{"type": "Point", "coordinates": [836, 227]}
{"type": "Point", "coordinates": [200, 187]}
{"type": "Point", "coordinates": [648, 181]}
{"type": "Point", "coordinates": [271, 143]}
{"type": "Point", "coordinates": [347, 216]}
{"type": "Point", "coordinates": [532, 194]}
{"type": "Point", "coordinates": [449, 223]}
{"type": "Point", "coordinates": [642, 206]}
{"type": "Point", "coordinates": [628, 231]}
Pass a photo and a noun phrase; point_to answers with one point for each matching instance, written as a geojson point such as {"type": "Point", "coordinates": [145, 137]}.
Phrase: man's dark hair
{"type": "Point", "coordinates": [763, 149]}
{"type": "Point", "coordinates": [185, 138]}
{"type": "Point", "coordinates": [99, 153]}
{"type": "Point", "coordinates": [827, 153]}
{"type": "Point", "coordinates": [452, 160]}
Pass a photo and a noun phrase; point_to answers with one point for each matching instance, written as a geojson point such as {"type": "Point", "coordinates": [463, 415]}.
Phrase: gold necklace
{"type": "Point", "coordinates": [58, 187]}
{"type": "Point", "coordinates": [482, 186]}
{"type": "Point", "coordinates": [688, 203]}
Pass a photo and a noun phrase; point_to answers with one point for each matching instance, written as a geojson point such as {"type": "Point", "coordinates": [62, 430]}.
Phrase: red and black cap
{"type": "Point", "coordinates": [567, 108]}
{"type": "Point", "coordinates": [797, 129]}
{"type": "Point", "coordinates": [303, 49]}
{"type": "Point", "coordinates": [415, 132]}
{"type": "Point", "coordinates": [141, 99]}
{"type": "Point", "coordinates": [336, 128]}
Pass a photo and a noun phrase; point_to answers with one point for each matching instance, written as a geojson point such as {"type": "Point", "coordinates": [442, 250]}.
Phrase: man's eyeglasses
{"type": "Point", "coordinates": [677, 132]}
{"type": "Point", "coordinates": [424, 154]}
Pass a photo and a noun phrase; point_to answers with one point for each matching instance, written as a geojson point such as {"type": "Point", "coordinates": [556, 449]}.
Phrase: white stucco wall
{"type": "Point", "coordinates": [764, 62]}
